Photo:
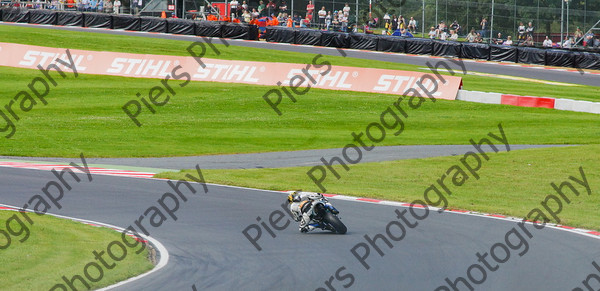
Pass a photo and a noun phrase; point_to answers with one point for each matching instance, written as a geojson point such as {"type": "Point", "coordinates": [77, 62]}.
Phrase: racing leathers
{"type": "Point", "coordinates": [301, 206]}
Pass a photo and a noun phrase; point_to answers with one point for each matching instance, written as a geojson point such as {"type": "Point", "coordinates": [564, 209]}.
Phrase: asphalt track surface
{"type": "Point", "coordinates": [534, 72]}
{"type": "Point", "coordinates": [208, 250]}
{"type": "Point", "coordinates": [283, 159]}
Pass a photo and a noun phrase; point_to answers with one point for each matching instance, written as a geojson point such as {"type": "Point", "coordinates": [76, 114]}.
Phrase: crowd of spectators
{"type": "Point", "coordinates": [278, 14]}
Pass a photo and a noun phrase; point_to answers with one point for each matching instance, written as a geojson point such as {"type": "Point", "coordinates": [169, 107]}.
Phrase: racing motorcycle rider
{"type": "Point", "coordinates": [301, 206]}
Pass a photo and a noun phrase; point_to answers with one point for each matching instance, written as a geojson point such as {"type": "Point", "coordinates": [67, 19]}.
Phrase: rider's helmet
{"type": "Point", "coordinates": [293, 196]}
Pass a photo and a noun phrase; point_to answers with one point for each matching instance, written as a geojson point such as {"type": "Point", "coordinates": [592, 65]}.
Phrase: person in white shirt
{"type": "Point", "coordinates": [322, 14]}
{"type": "Point", "coordinates": [547, 42]}
{"type": "Point", "coordinates": [233, 5]}
{"type": "Point", "coordinates": [432, 33]}
{"type": "Point", "coordinates": [117, 6]}
{"type": "Point", "coordinates": [453, 35]}
{"type": "Point", "coordinates": [508, 41]}
{"type": "Point", "coordinates": [412, 25]}
{"type": "Point", "coordinates": [568, 43]}
{"type": "Point", "coordinates": [346, 10]}
{"type": "Point", "coordinates": [443, 35]}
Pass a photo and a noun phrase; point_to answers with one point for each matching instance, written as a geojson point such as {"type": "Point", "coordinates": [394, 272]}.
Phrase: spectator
{"type": "Point", "coordinates": [597, 42]}
{"type": "Point", "coordinates": [328, 19]}
{"type": "Point", "coordinates": [346, 10]}
{"type": "Point", "coordinates": [261, 8]}
{"type": "Point", "coordinates": [233, 5]}
{"type": "Point", "coordinates": [483, 25]}
{"type": "Point", "coordinates": [521, 31]}
{"type": "Point", "coordinates": [471, 36]}
{"type": "Point", "coordinates": [297, 20]}
{"type": "Point", "coordinates": [387, 18]}
{"type": "Point", "coordinates": [454, 26]}
{"type": "Point", "coordinates": [453, 35]}
{"type": "Point", "coordinates": [335, 21]}
{"type": "Point", "coordinates": [271, 8]}
{"type": "Point", "coordinates": [529, 42]}
{"type": "Point", "coordinates": [246, 16]}
{"type": "Point", "coordinates": [498, 39]}
{"type": "Point", "coordinates": [508, 41]}
{"type": "Point", "coordinates": [255, 14]}
{"type": "Point", "coordinates": [529, 30]}
{"type": "Point", "coordinates": [85, 4]}
{"type": "Point", "coordinates": [245, 6]}
{"type": "Point", "coordinates": [322, 14]}
{"type": "Point", "coordinates": [401, 22]}
{"type": "Point", "coordinates": [432, 33]}
{"type": "Point", "coordinates": [108, 6]}
{"type": "Point", "coordinates": [310, 8]}
{"type": "Point", "coordinates": [394, 24]}
{"type": "Point", "coordinates": [116, 6]}
{"type": "Point", "coordinates": [578, 35]}
{"type": "Point", "coordinates": [547, 42]}
{"type": "Point", "coordinates": [283, 7]}
{"type": "Point", "coordinates": [568, 43]}
{"type": "Point", "coordinates": [479, 38]}
{"type": "Point", "coordinates": [443, 35]}
{"type": "Point", "coordinates": [412, 24]}
{"type": "Point", "coordinates": [405, 33]}
{"type": "Point", "coordinates": [344, 22]}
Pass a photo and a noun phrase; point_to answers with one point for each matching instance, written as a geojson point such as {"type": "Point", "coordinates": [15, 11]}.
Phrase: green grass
{"type": "Point", "coordinates": [84, 115]}
{"type": "Point", "coordinates": [510, 183]}
{"type": "Point", "coordinates": [58, 247]}
{"type": "Point", "coordinates": [145, 45]}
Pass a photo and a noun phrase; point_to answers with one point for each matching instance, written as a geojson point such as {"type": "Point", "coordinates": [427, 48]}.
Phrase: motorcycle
{"type": "Point", "coordinates": [325, 217]}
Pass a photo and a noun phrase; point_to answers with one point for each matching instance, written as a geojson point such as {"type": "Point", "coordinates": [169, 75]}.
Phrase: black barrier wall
{"type": "Point", "coordinates": [475, 51]}
{"type": "Point", "coordinates": [97, 20]}
{"type": "Point", "coordinates": [181, 26]}
{"type": "Point", "coordinates": [531, 55]}
{"type": "Point", "coordinates": [40, 16]}
{"type": "Point", "coordinates": [208, 28]}
{"type": "Point", "coordinates": [153, 24]}
{"type": "Point", "coordinates": [363, 41]}
{"type": "Point", "coordinates": [419, 46]}
{"type": "Point", "coordinates": [387, 43]}
{"type": "Point", "coordinates": [446, 48]}
{"type": "Point", "coordinates": [127, 22]}
{"type": "Point", "coordinates": [69, 18]}
{"type": "Point", "coordinates": [503, 53]}
{"type": "Point", "coordinates": [550, 57]}
{"type": "Point", "coordinates": [308, 36]}
{"type": "Point", "coordinates": [15, 15]}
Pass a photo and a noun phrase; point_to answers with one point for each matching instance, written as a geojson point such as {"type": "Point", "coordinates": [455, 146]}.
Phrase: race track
{"type": "Point", "coordinates": [207, 248]}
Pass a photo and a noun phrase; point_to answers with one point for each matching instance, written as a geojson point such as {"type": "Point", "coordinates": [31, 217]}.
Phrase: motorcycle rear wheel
{"type": "Point", "coordinates": [335, 222]}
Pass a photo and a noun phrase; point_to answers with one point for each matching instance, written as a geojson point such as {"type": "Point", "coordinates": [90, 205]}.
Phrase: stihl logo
{"type": "Point", "coordinates": [140, 67]}
{"type": "Point", "coordinates": [33, 58]}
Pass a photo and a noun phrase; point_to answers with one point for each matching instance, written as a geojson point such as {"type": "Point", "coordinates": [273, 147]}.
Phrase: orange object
{"type": "Point", "coordinates": [211, 18]}
{"type": "Point", "coordinates": [290, 22]}
{"type": "Point", "coordinates": [235, 20]}
{"type": "Point", "coordinates": [163, 15]}
{"type": "Point", "coordinates": [254, 21]}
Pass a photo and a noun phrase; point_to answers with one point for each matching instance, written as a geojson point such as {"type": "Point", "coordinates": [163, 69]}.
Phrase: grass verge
{"type": "Point", "coordinates": [60, 247]}
{"type": "Point", "coordinates": [84, 114]}
{"type": "Point", "coordinates": [511, 183]}
{"type": "Point", "coordinates": [144, 45]}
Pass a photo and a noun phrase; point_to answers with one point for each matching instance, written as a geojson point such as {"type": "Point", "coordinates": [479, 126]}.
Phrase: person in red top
{"type": "Point", "coordinates": [310, 8]}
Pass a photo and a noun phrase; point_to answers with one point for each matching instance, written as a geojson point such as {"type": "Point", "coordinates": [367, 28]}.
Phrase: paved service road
{"type": "Point", "coordinates": [282, 159]}
{"type": "Point", "coordinates": [207, 247]}
{"type": "Point", "coordinates": [483, 67]}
